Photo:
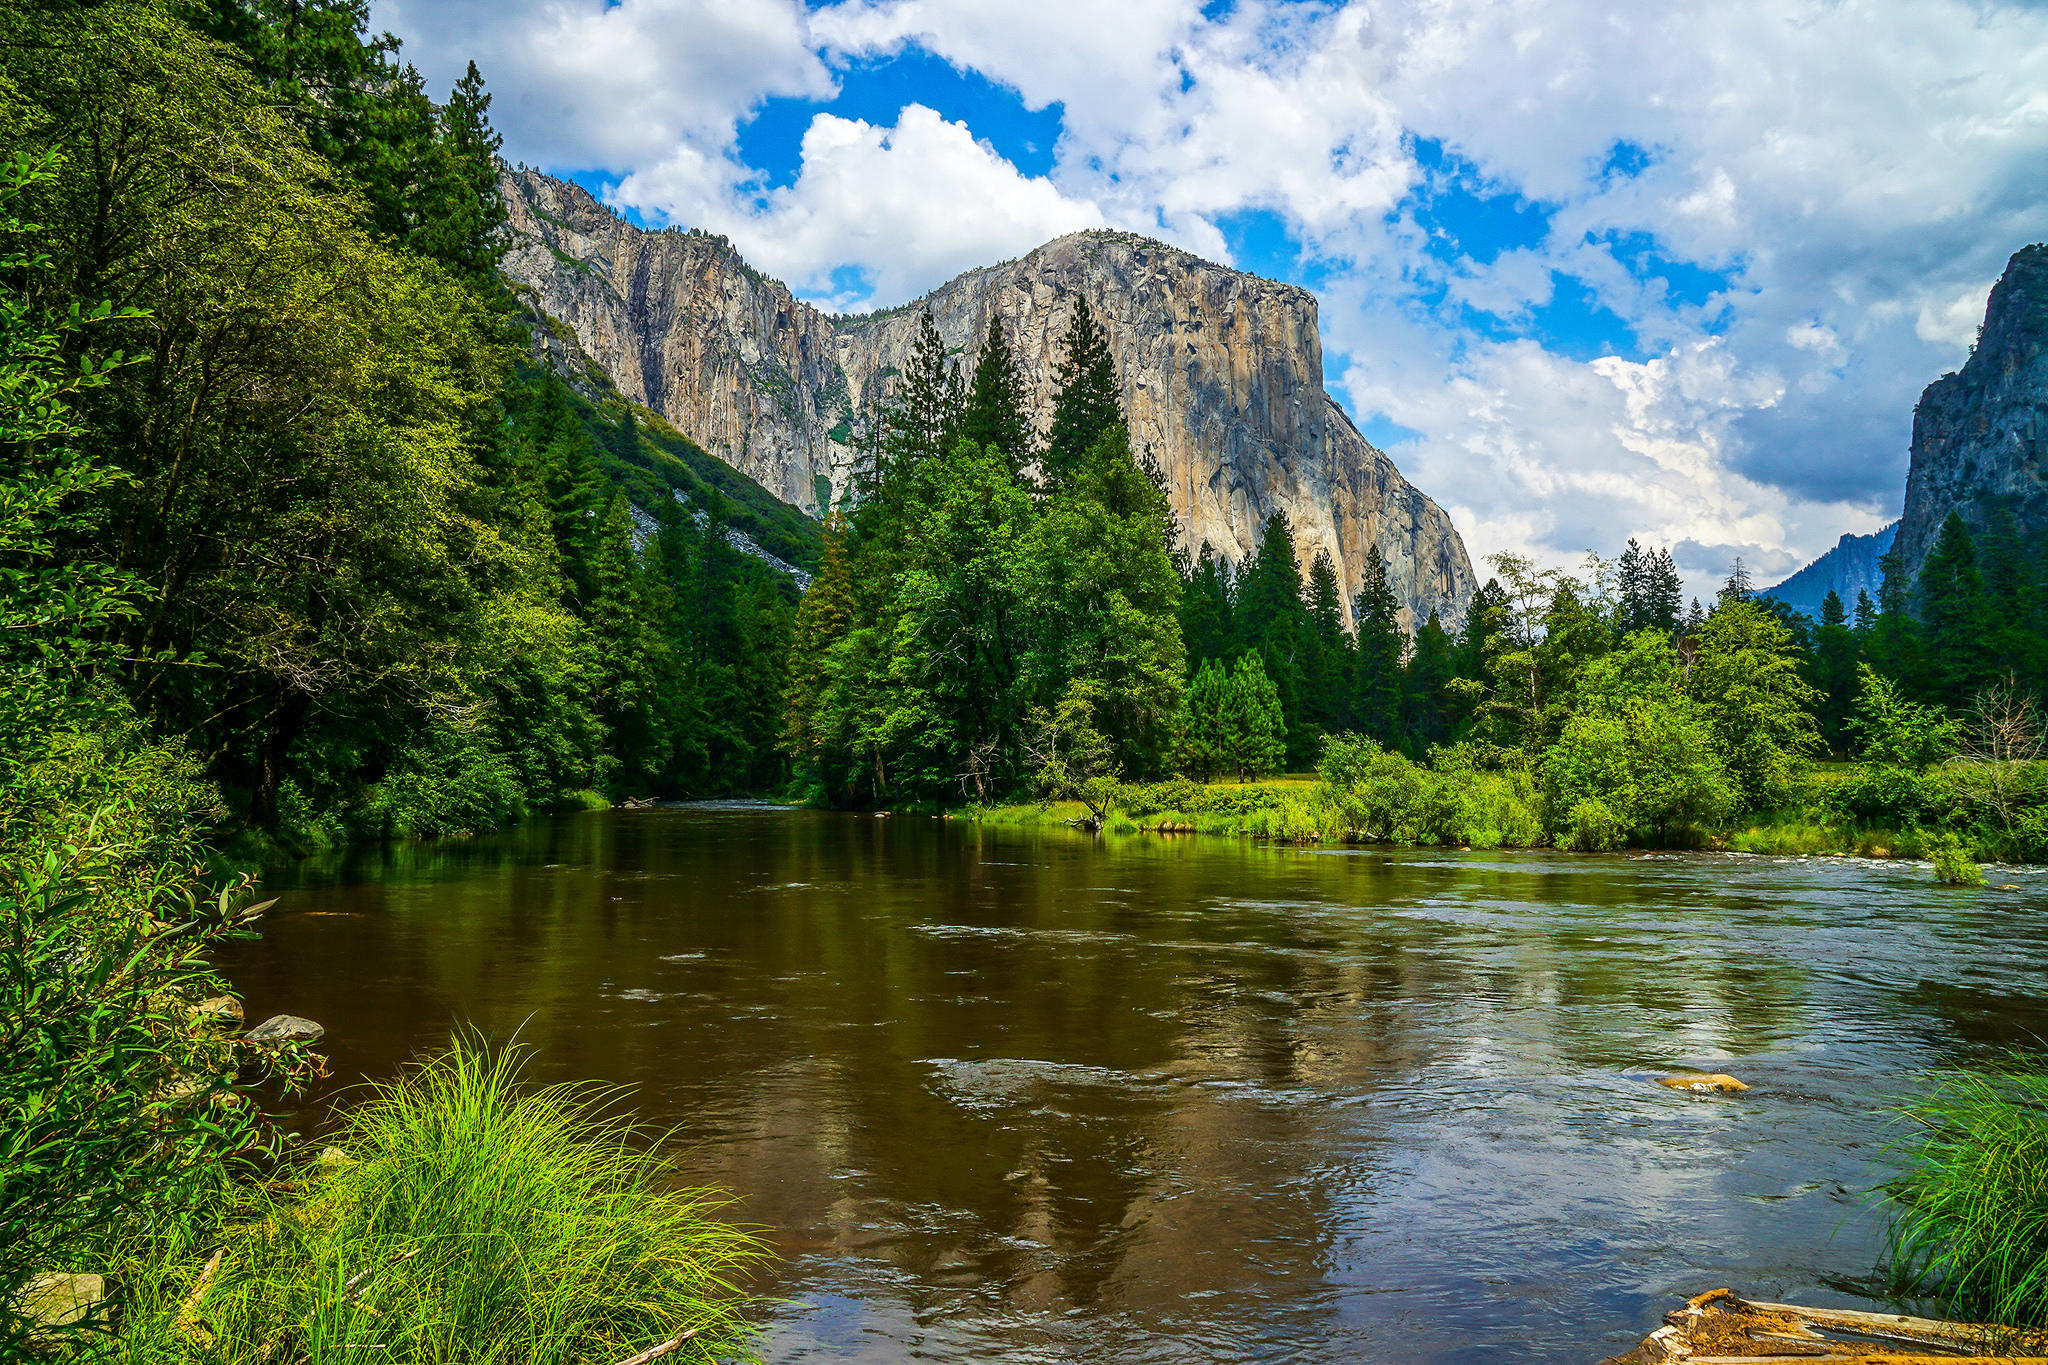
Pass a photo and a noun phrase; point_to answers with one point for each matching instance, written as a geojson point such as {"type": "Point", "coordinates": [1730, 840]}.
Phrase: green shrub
{"type": "Point", "coordinates": [122, 1109]}
{"type": "Point", "coordinates": [1591, 827]}
{"type": "Point", "coordinates": [1952, 862]}
{"type": "Point", "coordinates": [1506, 811]}
{"type": "Point", "coordinates": [453, 781]}
{"type": "Point", "coordinates": [1969, 1218]}
{"type": "Point", "coordinates": [475, 1219]}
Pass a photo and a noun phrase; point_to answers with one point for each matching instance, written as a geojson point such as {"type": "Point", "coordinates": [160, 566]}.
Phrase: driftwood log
{"type": "Point", "coordinates": [1718, 1328]}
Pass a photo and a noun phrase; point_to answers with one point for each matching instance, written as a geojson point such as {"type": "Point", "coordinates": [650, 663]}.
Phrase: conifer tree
{"type": "Point", "coordinates": [994, 414]}
{"type": "Point", "coordinates": [1632, 575]}
{"type": "Point", "coordinates": [1087, 400]}
{"type": "Point", "coordinates": [1272, 619]}
{"type": "Point", "coordinates": [1205, 610]}
{"type": "Point", "coordinates": [1326, 653]}
{"type": "Point", "coordinates": [923, 414]}
{"type": "Point", "coordinates": [1377, 692]}
{"type": "Point", "coordinates": [1953, 619]}
{"type": "Point", "coordinates": [1202, 746]}
{"type": "Point", "coordinates": [1427, 694]}
{"type": "Point", "coordinates": [1254, 729]}
{"type": "Point", "coordinates": [1663, 595]}
{"type": "Point", "coordinates": [1836, 654]}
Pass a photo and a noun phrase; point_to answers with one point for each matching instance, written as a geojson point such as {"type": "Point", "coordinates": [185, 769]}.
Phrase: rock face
{"type": "Point", "coordinates": [1222, 375]}
{"type": "Point", "coordinates": [1850, 568]}
{"type": "Point", "coordinates": [1980, 435]}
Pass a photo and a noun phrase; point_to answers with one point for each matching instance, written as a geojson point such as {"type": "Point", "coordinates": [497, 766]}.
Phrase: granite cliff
{"type": "Point", "coordinates": [1222, 374]}
{"type": "Point", "coordinates": [1980, 435]}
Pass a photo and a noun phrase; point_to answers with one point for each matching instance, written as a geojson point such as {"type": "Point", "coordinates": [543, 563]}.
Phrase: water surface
{"type": "Point", "coordinates": [1022, 1095]}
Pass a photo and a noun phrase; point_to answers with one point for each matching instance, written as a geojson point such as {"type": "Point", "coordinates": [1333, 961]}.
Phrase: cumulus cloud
{"type": "Point", "coordinates": [587, 84]}
{"type": "Point", "coordinates": [905, 207]}
{"type": "Point", "coordinates": [1794, 208]}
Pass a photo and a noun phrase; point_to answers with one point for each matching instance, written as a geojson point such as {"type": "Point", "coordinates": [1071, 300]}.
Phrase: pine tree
{"type": "Point", "coordinates": [1632, 589]}
{"type": "Point", "coordinates": [1202, 746]}
{"type": "Point", "coordinates": [1663, 594]}
{"type": "Point", "coordinates": [1272, 619]}
{"type": "Point", "coordinates": [1326, 656]}
{"type": "Point", "coordinates": [1087, 399]}
{"type": "Point", "coordinates": [1695, 617]}
{"type": "Point", "coordinates": [1894, 646]}
{"type": "Point", "coordinates": [994, 413]}
{"type": "Point", "coordinates": [1952, 612]}
{"type": "Point", "coordinates": [1205, 610]}
{"type": "Point", "coordinates": [1431, 667]}
{"type": "Point", "coordinates": [923, 414]}
{"type": "Point", "coordinates": [1836, 653]}
{"type": "Point", "coordinates": [1866, 614]}
{"type": "Point", "coordinates": [1737, 588]}
{"type": "Point", "coordinates": [1253, 725]}
{"type": "Point", "coordinates": [459, 219]}
{"type": "Point", "coordinates": [1377, 690]}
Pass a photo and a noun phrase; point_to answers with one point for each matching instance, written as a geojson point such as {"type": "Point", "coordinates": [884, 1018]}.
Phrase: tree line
{"type": "Point", "coordinates": [359, 557]}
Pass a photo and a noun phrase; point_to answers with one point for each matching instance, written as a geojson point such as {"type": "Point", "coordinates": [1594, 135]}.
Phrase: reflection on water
{"type": "Point", "coordinates": [1021, 1095]}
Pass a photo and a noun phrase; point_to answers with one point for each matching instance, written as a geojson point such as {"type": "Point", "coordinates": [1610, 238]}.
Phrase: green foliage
{"type": "Point", "coordinates": [122, 1108]}
{"type": "Point", "coordinates": [1087, 400]}
{"type": "Point", "coordinates": [1202, 742]}
{"type": "Point", "coordinates": [1969, 1221]}
{"type": "Point", "coordinates": [1251, 739]}
{"type": "Point", "coordinates": [1591, 827]}
{"type": "Point", "coordinates": [1894, 732]}
{"type": "Point", "coordinates": [477, 1219]}
{"type": "Point", "coordinates": [1747, 678]}
{"type": "Point", "coordinates": [1639, 754]}
{"type": "Point", "coordinates": [1953, 865]}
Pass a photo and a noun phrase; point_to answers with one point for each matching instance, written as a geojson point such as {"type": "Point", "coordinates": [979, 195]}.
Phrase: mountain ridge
{"type": "Point", "coordinates": [1222, 374]}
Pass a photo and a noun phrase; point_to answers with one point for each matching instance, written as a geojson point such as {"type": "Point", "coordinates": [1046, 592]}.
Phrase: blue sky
{"type": "Point", "coordinates": [1586, 271]}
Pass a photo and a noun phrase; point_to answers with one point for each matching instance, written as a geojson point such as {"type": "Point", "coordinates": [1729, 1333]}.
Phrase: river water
{"type": "Point", "coordinates": [1025, 1096]}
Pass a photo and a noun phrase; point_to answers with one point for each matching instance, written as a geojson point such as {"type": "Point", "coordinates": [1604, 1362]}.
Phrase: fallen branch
{"type": "Point", "coordinates": [656, 1352]}
{"type": "Point", "coordinates": [187, 1322]}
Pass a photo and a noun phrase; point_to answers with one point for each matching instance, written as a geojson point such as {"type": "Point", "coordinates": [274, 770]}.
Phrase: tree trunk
{"type": "Point", "coordinates": [285, 723]}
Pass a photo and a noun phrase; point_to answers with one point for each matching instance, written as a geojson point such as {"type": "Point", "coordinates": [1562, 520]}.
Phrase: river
{"type": "Point", "coordinates": [1022, 1095]}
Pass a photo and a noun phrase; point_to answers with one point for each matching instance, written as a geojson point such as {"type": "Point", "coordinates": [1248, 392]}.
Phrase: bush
{"type": "Point", "coordinates": [1952, 863]}
{"type": "Point", "coordinates": [1970, 1215]}
{"type": "Point", "coordinates": [475, 1219]}
{"type": "Point", "coordinates": [121, 1108]}
{"type": "Point", "coordinates": [1590, 827]}
{"type": "Point", "coordinates": [454, 781]}
{"type": "Point", "coordinates": [1897, 796]}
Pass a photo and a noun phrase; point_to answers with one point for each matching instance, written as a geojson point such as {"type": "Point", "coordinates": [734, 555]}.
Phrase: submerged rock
{"type": "Point", "coordinates": [279, 1029]}
{"type": "Point", "coordinates": [1703, 1082]}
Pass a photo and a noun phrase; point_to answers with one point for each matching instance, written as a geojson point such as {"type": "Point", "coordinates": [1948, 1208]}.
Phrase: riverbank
{"type": "Point", "coordinates": [1489, 810]}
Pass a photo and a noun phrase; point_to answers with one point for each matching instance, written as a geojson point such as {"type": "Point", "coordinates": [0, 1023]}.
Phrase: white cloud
{"type": "Point", "coordinates": [589, 85]}
{"type": "Point", "coordinates": [1856, 170]}
{"type": "Point", "coordinates": [907, 206]}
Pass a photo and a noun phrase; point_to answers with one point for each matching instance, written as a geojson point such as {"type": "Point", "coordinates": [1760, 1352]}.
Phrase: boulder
{"type": "Point", "coordinates": [58, 1299]}
{"type": "Point", "coordinates": [280, 1029]}
{"type": "Point", "coordinates": [222, 1011]}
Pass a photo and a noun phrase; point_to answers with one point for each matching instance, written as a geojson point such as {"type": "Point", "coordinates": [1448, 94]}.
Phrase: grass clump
{"type": "Point", "coordinates": [476, 1219]}
{"type": "Point", "coordinates": [1970, 1216]}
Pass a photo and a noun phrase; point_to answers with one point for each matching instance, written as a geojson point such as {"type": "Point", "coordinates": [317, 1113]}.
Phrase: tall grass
{"type": "Point", "coordinates": [1970, 1216]}
{"type": "Point", "coordinates": [479, 1220]}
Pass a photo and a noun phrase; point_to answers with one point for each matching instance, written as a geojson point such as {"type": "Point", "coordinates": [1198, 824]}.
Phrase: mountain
{"type": "Point", "coordinates": [1849, 568]}
{"type": "Point", "coordinates": [1222, 374]}
{"type": "Point", "coordinates": [1980, 435]}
